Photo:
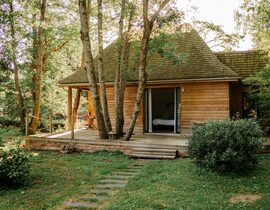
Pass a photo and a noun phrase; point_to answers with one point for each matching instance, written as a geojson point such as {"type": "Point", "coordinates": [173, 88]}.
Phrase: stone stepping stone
{"type": "Point", "coordinates": [94, 198]}
{"type": "Point", "coordinates": [113, 181]}
{"type": "Point", "coordinates": [105, 187]}
{"type": "Point", "coordinates": [110, 186]}
{"type": "Point", "coordinates": [124, 173]}
{"type": "Point", "coordinates": [119, 177]}
{"type": "Point", "coordinates": [98, 192]}
{"type": "Point", "coordinates": [133, 168]}
{"type": "Point", "coordinates": [80, 204]}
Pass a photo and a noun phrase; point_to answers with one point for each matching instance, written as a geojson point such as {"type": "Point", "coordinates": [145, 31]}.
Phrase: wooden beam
{"type": "Point", "coordinates": [26, 124]}
{"type": "Point", "coordinates": [69, 107]}
{"type": "Point", "coordinates": [51, 121]}
{"type": "Point", "coordinates": [90, 104]}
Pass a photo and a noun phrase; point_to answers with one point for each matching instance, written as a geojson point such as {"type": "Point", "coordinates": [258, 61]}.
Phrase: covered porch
{"type": "Point", "coordinates": [87, 140]}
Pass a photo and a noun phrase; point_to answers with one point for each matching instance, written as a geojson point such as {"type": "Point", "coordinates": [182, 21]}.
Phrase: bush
{"type": "Point", "coordinates": [5, 121]}
{"type": "Point", "coordinates": [226, 146]}
{"type": "Point", "coordinates": [14, 167]}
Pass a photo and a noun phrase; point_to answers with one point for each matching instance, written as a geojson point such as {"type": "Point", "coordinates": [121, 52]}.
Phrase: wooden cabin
{"type": "Point", "coordinates": [204, 86]}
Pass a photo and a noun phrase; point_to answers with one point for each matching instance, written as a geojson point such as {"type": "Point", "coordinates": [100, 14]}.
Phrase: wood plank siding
{"type": "Point", "coordinates": [203, 101]}
{"type": "Point", "coordinates": [199, 102]}
{"type": "Point", "coordinates": [130, 94]}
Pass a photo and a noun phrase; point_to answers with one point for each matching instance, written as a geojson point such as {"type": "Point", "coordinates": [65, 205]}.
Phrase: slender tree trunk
{"type": "Point", "coordinates": [83, 63]}
{"type": "Point", "coordinates": [123, 69]}
{"type": "Point", "coordinates": [38, 72]}
{"type": "Point", "coordinates": [91, 69]}
{"type": "Point", "coordinates": [142, 82]}
{"type": "Point", "coordinates": [15, 67]}
{"type": "Point", "coordinates": [76, 104]}
{"type": "Point", "coordinates": [118, 82]}
{"type": "Point", "coordinates": [147, 30]}
{"type": "Point", "coordinates": [101, 69]}
{"type": "Point", "coordinates": [77, 99]}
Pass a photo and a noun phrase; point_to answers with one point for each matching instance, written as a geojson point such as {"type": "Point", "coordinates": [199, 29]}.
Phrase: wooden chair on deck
{"type": "Point", "coordinates": [89, 121]}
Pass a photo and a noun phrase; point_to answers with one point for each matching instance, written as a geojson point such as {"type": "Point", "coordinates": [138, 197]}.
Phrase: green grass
{"type": "Point", "coordinates": [177, 184]}
{"type": "Point", "coordinates": [57, 178]}
{"type": "Point", "coordinates": [9, 133]}
{"type": "Point", "coordinates": [180, 184]}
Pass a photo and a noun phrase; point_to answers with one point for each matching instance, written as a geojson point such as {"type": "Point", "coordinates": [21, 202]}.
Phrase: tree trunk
{"type": "Point", "coordinates": [124, 68]}
{"type": "Point", "coordinates": [91, 69]}
{"type": "Point", "coordinates": [38, 71]}
{"type": "Point", "coordinates": [15, 67]}
{"type": "Point", "coordinates": [78, 93]}
{"type": "Point", "coordinates": [76, 104]}
{"type": "Point", "coordinates": [119, 86]}
{"type": "Point", "coordinates": [101, 69]}
{"type": "Point", "coordinates": [147, 30]}
{"type": "Point", "coordinates": [142, 82]}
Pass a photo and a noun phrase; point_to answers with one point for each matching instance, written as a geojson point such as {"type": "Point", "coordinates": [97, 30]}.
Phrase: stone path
{"type": "Point", "coordinates": [105, 188]}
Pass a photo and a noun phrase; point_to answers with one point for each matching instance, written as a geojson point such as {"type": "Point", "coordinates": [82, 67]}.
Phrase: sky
{"type": "Point", "coordinates": [220, 12]}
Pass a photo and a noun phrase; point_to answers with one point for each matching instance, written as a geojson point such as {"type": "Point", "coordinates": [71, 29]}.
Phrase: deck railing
{"type": "Point", "coordinates": [51, 127]}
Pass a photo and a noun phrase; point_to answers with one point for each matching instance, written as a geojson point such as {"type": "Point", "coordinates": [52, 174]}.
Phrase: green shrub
{"type": "Point", "coordinates": [5, 121]}
{"type": "Point", "coordinates": [14, 167]}
{"type": "Point", "coordinates": [226, 146]}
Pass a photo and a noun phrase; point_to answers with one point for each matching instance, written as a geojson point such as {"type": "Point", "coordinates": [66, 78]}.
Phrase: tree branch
{"type": "Point", "coordinates": [59, 47]}
{"type": "Point", "coordinates": [156, 14]}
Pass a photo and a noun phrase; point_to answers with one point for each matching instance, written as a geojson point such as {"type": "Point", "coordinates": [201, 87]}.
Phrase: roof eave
{"type": "Point", "coordinates": [218, 79]}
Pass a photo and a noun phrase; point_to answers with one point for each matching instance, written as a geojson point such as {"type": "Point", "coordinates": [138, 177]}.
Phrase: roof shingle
{"type": "Point", "coordinates": [244, 63]}
{"type": "Point", "coordinates": [200, 63]}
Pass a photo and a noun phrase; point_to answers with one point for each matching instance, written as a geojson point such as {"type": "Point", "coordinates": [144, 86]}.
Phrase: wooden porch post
{"type": "Point", "coordinates": [51, 121]}
{"type": "Point", "coordinates": [26, 124]}
{"type": "Point", "coordinates": [69, 107]}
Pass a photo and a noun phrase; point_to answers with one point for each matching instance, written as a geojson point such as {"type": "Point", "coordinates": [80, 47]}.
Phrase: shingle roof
{"type": "Point", "coordinates": [200, 63]}
{"type": "Point", "coordinates": [244, 63]}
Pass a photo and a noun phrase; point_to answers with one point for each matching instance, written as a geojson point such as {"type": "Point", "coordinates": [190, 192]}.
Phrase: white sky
{"type": "Point", "coordinates": [220, 12]}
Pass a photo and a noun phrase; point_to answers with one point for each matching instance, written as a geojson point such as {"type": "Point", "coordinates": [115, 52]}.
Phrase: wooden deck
{"type": "Point", "coordinates": [159, 146]}
{"type": "Point", "coordinates": [144, 146]}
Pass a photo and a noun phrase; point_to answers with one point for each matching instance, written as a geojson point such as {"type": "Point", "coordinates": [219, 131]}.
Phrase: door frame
{"type": "Point", "coordinates": [148, 125]}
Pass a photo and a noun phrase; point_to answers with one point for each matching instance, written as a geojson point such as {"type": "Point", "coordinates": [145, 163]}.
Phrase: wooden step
{"type": "Point", "coordinates": [155, 153]}
{"type": "Point", "coordinates": [152, 156]}
{"type": "Point", "coordinates": [154, 149]}
{"type": "Point", "coordinates": [150, 149]}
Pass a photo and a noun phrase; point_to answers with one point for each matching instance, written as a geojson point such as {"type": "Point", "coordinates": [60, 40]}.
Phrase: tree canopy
{"type": "Point", "coordinates": [253, 17]}
{"type": "Point", "coordinates": [40, 44]}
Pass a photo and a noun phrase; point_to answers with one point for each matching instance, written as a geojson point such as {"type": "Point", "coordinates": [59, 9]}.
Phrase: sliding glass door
{"type": "Point", "coordinates": [161, 110]}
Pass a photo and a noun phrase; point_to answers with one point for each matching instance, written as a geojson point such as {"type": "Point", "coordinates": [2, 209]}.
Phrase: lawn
{"type": "Point", "coordinates": [179, 184]}
{"type": "Point", "coordinates": [162, 184]}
